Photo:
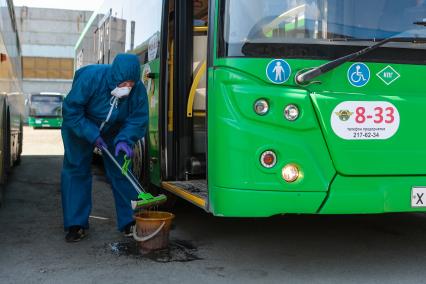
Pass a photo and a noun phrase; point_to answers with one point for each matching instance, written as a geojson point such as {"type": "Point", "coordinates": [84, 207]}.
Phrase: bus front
{"type": "Point", "coordinates": [45, 110]}
{"type": "Point", "coordinates": [348, 140]}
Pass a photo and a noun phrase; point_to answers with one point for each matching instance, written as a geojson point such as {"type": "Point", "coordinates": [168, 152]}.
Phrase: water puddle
{"type": "Point", "coordinates": [178, 251]}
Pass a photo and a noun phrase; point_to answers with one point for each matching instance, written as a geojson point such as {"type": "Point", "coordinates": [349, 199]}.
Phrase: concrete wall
{"type": "Point", "coordinates": [47, 85]}
{"type": "Point", "coordinates": [50, 33]}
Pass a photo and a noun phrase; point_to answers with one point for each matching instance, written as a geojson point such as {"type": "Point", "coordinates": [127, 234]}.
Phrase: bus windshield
{"type": "Point", "coordinates": [307, 28]}
{"type": "Point", "coordinates": [46, 105]}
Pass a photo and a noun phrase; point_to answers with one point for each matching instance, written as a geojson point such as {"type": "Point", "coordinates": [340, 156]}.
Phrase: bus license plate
{"type": "Point", "coordinates": [418, 197]}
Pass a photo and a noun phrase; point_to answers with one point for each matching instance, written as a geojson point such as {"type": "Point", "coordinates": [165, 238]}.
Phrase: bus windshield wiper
{"type": "Point", "coordinates": [421, 23]}
{"type": "Point", "coordinates": [305, 77]}
{"type": "Point", "coordinates": [347, 39]}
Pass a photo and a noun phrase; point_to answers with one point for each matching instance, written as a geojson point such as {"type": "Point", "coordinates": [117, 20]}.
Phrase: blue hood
{"type": "Point", "coordinates": [125, 67]}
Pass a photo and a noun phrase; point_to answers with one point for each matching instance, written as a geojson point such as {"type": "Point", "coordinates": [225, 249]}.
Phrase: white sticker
{"type": "Point", "coordinates": [152, 48]}
{"type": "Point", "coordinates": [363, 120]}
{"type": "Point", "coordinates": [418, 196]}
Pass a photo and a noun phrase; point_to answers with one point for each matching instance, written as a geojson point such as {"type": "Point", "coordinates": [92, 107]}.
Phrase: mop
{"type": "Point", "coordinates": [145, 199]}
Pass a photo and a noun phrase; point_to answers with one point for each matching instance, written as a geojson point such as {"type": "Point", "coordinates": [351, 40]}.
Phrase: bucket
{"type": "Point", "coordinates": [152, 230]}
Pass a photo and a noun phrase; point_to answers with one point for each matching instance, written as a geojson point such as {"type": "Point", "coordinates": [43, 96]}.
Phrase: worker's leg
{"type": "Point", "coordinates": [76, 180]}
{"type": "Point", "coordinates": [122, 189]}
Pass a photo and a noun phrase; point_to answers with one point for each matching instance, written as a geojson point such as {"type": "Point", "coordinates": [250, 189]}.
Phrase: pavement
{"type": "Point", "coordinates": [204, 249]}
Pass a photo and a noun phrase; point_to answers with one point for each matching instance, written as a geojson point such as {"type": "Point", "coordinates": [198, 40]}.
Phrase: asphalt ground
{"type": "Point", "coordinates": [204, 249]}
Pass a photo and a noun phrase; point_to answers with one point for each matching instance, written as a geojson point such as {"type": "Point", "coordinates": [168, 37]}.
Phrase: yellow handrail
{"type": "Point", "coordinates": [201, 29]}
{"type": "Point", "coordinates": [170, 106]}
{"type": "Point", "coordinates": [197, 80]}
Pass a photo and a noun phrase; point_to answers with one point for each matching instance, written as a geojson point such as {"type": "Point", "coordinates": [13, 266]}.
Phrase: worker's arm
{"type": "Point", "coordinates": [134, 127]}
{"type": "Point", "coordinates": [74, 109]}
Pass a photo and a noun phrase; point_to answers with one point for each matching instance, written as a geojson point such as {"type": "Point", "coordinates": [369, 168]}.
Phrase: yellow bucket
{"type": "Point", "coordinates": [152, 229]}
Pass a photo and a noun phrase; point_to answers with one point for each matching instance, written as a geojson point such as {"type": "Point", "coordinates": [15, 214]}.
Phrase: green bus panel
{"type": "Point", "coordinates": [227, 202]}
{"type": "Point", "coordinates": [152, 87]}
{"type": "Point", "coordinates": [237, 137]}
{"type": "Point", "coordinates": [402, 154]}
{"type": "Point", "coordinates": [358, 195]}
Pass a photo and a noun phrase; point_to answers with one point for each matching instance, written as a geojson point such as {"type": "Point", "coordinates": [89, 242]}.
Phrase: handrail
{"type": "Point", "coordinates": [171, 90]}
{"type": "Point", "coordinates": [201, 29]}
{"type": "Point", "coordinates": [193, 90]}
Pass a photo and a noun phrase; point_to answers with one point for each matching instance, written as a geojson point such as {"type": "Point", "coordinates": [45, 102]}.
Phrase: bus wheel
{"type": "Point", "coordinates": [20, 144]}
{"type": "Point", "coordinates": [138, 162]}
{"type": "Point", "coordinates": [8, 143]}
{"type": "Point", "coordinates": [141, 172]}
{"type": "Point", "coordinates": [4, 148]}
{"type": "Point", "coordinates": [1, 195]}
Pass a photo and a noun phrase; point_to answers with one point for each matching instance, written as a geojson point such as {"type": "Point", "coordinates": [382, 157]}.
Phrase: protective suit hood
{"type": "Point", "coordinates": [125, 67]}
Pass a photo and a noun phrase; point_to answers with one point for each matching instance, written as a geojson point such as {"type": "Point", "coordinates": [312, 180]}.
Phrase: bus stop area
{"type": "Point", "coordinates": [203, 248]}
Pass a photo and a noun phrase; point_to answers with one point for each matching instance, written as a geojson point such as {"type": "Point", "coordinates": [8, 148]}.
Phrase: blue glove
{"type": "Point", "coordinates": [100, 143]}
{"type": "Point", "coordinates": [124, 147]}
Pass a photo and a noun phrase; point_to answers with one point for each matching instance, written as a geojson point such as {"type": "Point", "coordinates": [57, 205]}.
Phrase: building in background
{"type": "Point", "coordinates": [48, 38]}
{"type": "Point", "coordinates": [103, 38]}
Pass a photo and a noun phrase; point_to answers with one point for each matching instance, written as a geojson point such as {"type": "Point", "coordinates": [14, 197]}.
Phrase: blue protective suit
{"type": "Point", "coordinates": [84, 109]}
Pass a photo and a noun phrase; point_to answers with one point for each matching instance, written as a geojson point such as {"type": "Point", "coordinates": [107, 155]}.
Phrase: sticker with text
{"type": "Point", "coordinates": [364, 120]}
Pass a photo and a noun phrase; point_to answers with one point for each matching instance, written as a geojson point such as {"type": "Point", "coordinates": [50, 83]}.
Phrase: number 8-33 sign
{"type": "Point", "coordinates": [363, 120]}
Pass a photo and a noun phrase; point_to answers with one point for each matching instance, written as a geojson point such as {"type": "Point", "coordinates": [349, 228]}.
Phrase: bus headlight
{"type": "Point", "coordinates": [261, 107]}
{"type": "Point", "coordinates": [291, 112]}
{"type": "Point", "coordinates": [290, 173]}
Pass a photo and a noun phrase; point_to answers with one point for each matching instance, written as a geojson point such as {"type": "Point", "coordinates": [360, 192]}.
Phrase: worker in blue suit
{"type": "Point", "coordinates": [106, 107]}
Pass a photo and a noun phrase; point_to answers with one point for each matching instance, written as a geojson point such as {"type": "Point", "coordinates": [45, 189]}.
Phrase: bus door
{"type": "Point", "coordinates": [186, 107]}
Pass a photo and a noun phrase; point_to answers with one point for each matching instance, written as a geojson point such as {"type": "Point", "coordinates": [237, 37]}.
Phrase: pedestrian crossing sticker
{"type": "Point", "coordinates": [278, 71]}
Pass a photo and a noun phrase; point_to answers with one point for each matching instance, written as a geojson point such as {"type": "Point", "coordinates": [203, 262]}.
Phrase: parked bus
{"type": "Point", "coordinates": [45, 110]}
{"type": "Point", "coordinates": [11, 96]}
{"type": "Point", "coordinates": [265, 107]}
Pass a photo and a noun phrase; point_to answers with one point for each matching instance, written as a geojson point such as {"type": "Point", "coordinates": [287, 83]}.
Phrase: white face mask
{"type": "Point", "coordinates": [121, 92]}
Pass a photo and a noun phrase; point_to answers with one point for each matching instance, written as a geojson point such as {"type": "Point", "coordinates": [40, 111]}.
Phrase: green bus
{"type": "Point", "coordinates": [266, 107]}
{"type": "Point", "coordinates": [45, 110]}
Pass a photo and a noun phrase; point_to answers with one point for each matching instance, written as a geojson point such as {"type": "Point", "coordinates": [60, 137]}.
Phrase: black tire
{"type": "Point", "coordinates": [8, 144]}
{"type": "Point", "coordinates": [5, 155]}
{"type": "Point", "coordinates": [141, 166]}
{"type": "Point", "coordinates": [139, 163]}
{"type": "Point", "coordinates": [3, 173]}
{"type": "Point", "coordinates": [1, 195]}
{"type": "Point", "coordinates": [20, 145]}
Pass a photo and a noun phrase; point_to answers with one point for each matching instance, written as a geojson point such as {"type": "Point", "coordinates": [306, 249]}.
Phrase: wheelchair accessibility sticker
{"type": "Point", "coordinates": [358, 75]}
{"type": "Point", "coordinates": [278, 71]}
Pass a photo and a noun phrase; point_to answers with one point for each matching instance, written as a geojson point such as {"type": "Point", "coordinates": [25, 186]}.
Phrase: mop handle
{"type": "Point", "coordinates": [135, 185]}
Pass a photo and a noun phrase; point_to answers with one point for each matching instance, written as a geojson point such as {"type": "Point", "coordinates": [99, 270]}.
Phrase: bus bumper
{"type": "Point", "coordinates": [371, 195]}
{"type": "Point", "coordinates": [347, 195]}
{"type": "Point", "coordinates": [229, 202]}
{"type": "Point", "coordinates": [45, 122]}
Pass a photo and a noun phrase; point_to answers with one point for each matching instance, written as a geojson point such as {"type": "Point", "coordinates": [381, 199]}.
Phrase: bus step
{"type": "Point", "coordinates": [194, 191]}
